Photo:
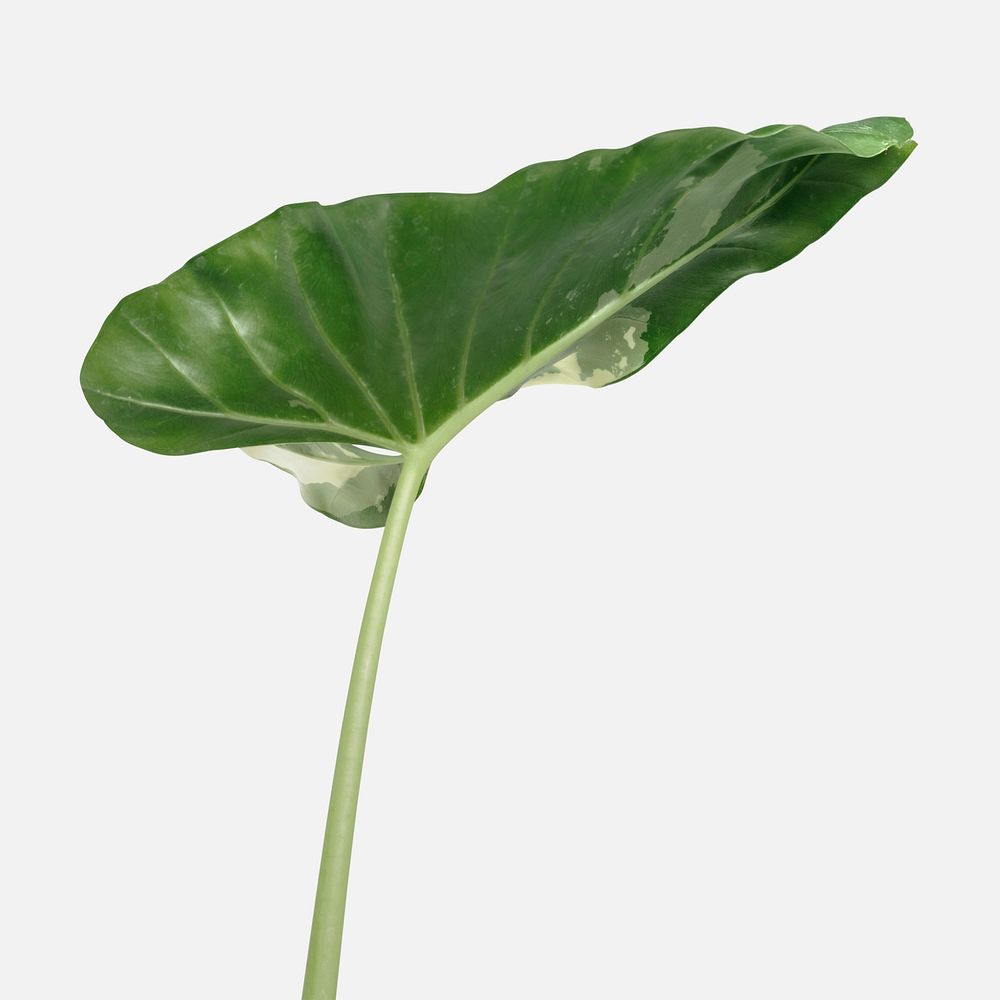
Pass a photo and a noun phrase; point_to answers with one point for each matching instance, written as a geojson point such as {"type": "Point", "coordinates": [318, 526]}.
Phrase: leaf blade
{"type": "Point", "coordinates": [394, 320]}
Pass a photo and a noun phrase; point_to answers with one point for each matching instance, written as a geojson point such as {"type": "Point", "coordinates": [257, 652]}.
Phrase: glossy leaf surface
{"type": "Point", "coordinates": [393, 320]}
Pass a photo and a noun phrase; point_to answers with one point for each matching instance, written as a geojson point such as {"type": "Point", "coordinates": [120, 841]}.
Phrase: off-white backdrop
{"type": "Point", "coordinates": [689, 690]}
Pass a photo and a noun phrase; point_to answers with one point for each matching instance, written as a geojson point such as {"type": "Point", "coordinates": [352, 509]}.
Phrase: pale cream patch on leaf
{"type": "Point", "coordinates": [345, 482]}
{"type": "Point", "coordinates": [609, 353]}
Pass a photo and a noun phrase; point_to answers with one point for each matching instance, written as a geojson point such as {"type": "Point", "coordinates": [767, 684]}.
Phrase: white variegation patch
{"type": "Point", "coordinates": [615, 349]}
{"type": "Point", "coordinates": [350, 484]}
{"type": "Point", "coordinates": [697, 212]}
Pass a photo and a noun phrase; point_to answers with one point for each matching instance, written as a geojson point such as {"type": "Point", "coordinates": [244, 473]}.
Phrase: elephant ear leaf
{"type": "Point", "coordinates": [392, 321]}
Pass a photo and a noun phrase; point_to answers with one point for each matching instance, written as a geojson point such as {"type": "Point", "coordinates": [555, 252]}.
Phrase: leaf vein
{"type": "Point", "coordinates": [250, 418]}
{"type": "Point", "coordinates": [573, 255]}
{"type": "Point", "coordinates": [241, 338]}
{"type": "Point", "coordinates": [335, 351]}
{"type": "Point", "coordinates": [463, 365]}
{"type": "Point", "coordinates": [405, 339]}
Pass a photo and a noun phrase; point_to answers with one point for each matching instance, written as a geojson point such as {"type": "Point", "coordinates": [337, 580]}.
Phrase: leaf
{"type": "Point", "coordinates": [394, 320]}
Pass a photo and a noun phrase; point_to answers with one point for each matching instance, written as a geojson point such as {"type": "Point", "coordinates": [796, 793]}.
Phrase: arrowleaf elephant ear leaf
{"type": "Point", "coordinates": [392, 321]}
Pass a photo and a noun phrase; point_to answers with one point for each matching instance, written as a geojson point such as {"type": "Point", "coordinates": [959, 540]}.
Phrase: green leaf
{"type": "Point", "coordinates": [392, 321]}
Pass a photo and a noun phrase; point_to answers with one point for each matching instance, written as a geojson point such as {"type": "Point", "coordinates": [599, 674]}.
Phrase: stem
{"type": "Point", "coordinates": [323, 963]}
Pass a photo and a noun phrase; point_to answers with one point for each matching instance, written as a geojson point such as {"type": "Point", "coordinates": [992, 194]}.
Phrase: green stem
{"type": "Point", "coordinates": [323, 963]}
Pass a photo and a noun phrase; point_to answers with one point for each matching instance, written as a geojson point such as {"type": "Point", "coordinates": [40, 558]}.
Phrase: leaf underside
{"type": "Point", "coordinates": [392, 320]}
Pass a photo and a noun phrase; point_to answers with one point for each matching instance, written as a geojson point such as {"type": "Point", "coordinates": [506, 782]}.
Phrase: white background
{"type": "Point", "coordinates": [690, 686]}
